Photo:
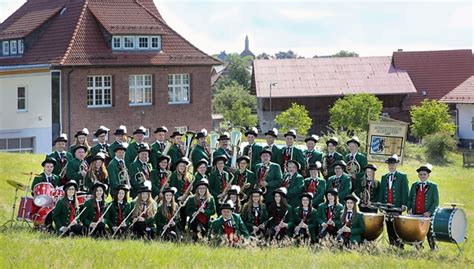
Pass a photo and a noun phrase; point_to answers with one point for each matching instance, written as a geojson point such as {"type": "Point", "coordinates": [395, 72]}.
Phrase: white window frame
{"type": "Point", "coordinates": [140, 89]}
{"type": "Point", "coordinates": [21, 46]}
{"type": "Point", "coordinates": [101, 88]}
{"type": "Point", "coordinates": [25, 98]}
{"type": "Point", "coordinates": [6, 48]}
{"type": "Point", "coordinates": [20, 148]}
{"type": "Point", "coordinates": [181, 129]}
{"type": "Point", "coordinates": [159, 42]}
{"type": "Point", "coordinates": [120, 41]}
{"type": "Point", "coordinates": [13, 47]}
{"type": "Point", "coordinates": [148, 42]}
{"type": "Point", "coordinates": [175, 87]}
{"type": "Point", "coordinates": [133, 42]}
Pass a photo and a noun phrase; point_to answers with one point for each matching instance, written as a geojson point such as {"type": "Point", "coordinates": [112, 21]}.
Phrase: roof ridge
{"type": "Point", "coordinates": [149, 12]}
{"type": "Point", "coordinates": [74, 34]}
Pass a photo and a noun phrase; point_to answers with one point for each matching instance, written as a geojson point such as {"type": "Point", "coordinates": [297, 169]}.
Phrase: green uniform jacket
{"type": "Point", "coordinates": [209, 209]}
{"type": "Point", "coordinates": [335, 157]}
{"type": "Point", "coordinates": [113, 169]}
{"type": "Point", "coordinates": [431, 196]}
{"type": "Point", "coordinates": [155, 154]}
{"type": "Point", "coordinates": [113, 146]}
{"type": "Point", "coordinates": [134, 169]}
{"type": "Point", "coordinates": [55, 155]}
{"type": "Point", "coordinates": [220, 152]}
{"type": "Point", "coordinates": [131, 153]}
{"type": "Point", "coordinates": [297, 156]}
{"type": "Point", "coordinates": [273, 178]}
{"type": "Point", "coordinates": [97, 148]}
{"type": "Point", "coordinates": [295, 188]}
{"type": "Point", "coordinates": [362, 160]}
{"type": "Point", "coordinates": [90, 209]}
{"type": "Point", "coordinates": [61, 214]}
{"type": "Point", "coordinates": [248, 176]}
{"type": "Point", "coordinates": [357, 228]}
{"type": "Point", "coordinates": [374, 190]}
{"type": "Point", "coordinates": [175, 154]}
{"type": "Point", "coordinates": [310, 220]}
{"type": "Point", "coordinates": [239, 226]}
{"type": "Point", "coordinates": [248, 217]}
{"type": "Point", "coordinates": [42, 178]}
{"type": "Point", "coordinates": [112, 214]}
{"type": "Point", "coordinates": [155, 177]}
{"type": "Point", "coordinates": [161, 220]}
{"type": "Point", "coordinates": [318, 195]}
{"type": "Point", "coordinates": [72, 171]}
{"type": "Point", "coordinates": [89, 183]}
{"type": "Point", "coordinates": [336, 217]}
{"type": "Point", "coordinates": [255, 158]}
{"type": "Point", "coordinates": [197, 154]}
{"type": "Point", "coordinates": [215, 183]}
{"type": "Point", "coordinates": [314, 156]}
{"type": "Point", "coordinates": [276, 153]}
{"type": "Point", "coordinates": [344, 187]}
{"type": "Point", "coordinates": [149, 220]}
{"type": "Point", "coordinates": [399, 189]}
{"type": "Point", "coordinates": [178, 184]}
{"type": "Point", "coordinates": [288, 219]}
{"type": "Point", "coordinates": [197, 178]}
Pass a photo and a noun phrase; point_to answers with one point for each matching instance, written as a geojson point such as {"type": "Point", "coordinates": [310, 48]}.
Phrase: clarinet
{"type": "Point", "coordinates": [284, 216]}
{"type": "Point", "coordinates": [100, 219]}
{"type": "Point", "coordinates": [70, 224]}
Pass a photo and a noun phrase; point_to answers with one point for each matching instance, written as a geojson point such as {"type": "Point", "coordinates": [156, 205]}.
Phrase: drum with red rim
{"type": "Point", "coordinates": [27, 209]}
{"type": "Point", "coordinates": [41, 216]}
{"type": "Point", "coordinates": [43, 194]}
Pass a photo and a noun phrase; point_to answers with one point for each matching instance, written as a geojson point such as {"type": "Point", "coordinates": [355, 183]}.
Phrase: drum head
{"type": "Point", "coordinates": [43, 200]}
{"type": "Point", "coordinates": [458, 226]}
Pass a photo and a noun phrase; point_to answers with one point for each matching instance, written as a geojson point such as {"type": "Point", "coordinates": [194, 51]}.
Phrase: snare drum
{"type": "Point", "coordinates": [373, 225]}
{"type": "Point", "coordinates": [26, 209]}
{"type": "Point", "coordinates": [449, 225]}
{"type": "Point", "coordinates": [411, 229]}
{"type": "Point", "coordinates": [58, 194]}
{"type": "Point", "coordinates": [44, 216]}
{"type": "Point", "coordinates": [43, 194]}
{"type": "Point", "coordinates": [82, 198]}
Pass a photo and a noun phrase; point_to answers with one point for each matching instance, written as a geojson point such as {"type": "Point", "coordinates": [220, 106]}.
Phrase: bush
{"type": "Point", "coordinates": [296, 117]}
{"type": "Point", "coordinates": [430, 117]}
{"type": "Point", "coordinates": [438, 145]}
{"type": "Point", "coordinates": [414, 151]}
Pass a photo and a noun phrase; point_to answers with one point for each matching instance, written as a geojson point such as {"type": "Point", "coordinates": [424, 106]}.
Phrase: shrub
{"type": "Point", "coordinates": [438, 145]}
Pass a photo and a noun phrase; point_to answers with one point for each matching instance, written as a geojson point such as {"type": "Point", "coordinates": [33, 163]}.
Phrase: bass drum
{"type": "Point", "coordinates": [411, 229]}
{"type": "Point", "coordinates": [44, 216]}
{"type": "Point", "coordinates": [449, 225]}
{"type": "Point", "coordinates": [373, 226]}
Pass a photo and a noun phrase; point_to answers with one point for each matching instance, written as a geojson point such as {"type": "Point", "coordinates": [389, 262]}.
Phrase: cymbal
{"type": "Point", "coordinates": [454, 204]}
{"type": "Point", "coordinates": [30, 173]}
{"type": "Point", "coordinates": [17, 185]}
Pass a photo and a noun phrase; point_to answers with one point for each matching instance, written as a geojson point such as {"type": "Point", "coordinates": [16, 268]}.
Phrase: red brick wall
{"type": "Point", "coordinates": [196, 115]}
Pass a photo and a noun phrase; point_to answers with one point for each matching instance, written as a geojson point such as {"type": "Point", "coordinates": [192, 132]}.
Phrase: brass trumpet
{"type": "Point", "coordinates": [140, 177]}
{"type": "Point", "coordinates": [84, 167]}
{"type": "Point", "coordinates": [123, 177]}
{"type": "Point", "coordinates": [167, 147]}
{"type": "Point", "coordinates": [189, 137]}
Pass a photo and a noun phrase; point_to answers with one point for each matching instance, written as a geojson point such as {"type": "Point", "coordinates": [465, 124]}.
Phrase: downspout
{"type": "Point", "coordinates": [69, 101]}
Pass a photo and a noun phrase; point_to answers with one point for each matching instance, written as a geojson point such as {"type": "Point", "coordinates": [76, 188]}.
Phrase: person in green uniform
{"type": "Point", "coordinates": [305, 219]}
{"type": "Point", "coordinates": [77, 167]}
{"type": "Point", "coordinates": [139, 171]}
{"type": "Point", "coordinates": [66, 212]}
{"type": "Point", "coordinates": [223, 149]}
{"type": "Point", "coordinates": [331, 157]}
{"type": "Point", "coordinates": [352, 222]}
{"type": "Point", "coordinates": [200, 151]}
{"type": "Point", "coordinates": [117, 171]}
{"type": "Point", "coordinates": [219, 179]}
{"type": "Point", "coordinates": [270, 137]}
{"type": "Point", "coordinates": [102, 145]}
{"type": "Point", "coordinates": [243, 177]}
{"type": "Point", "coordinates": [95, 210]}
{"type": "Point", "coordinates": [158, 146]}
{"type": "Point", "coordinates": [180, 179]}
{"type": "Point", "coordinates": [119, 211]}
{"type": "Point", "coordinates": [62, 157]}
{"type": "Point", "coordinates": [234, 197]}
{"type": "Point", "coordinates": [394, 192]}
{"type": "Point", "coordinates": [315, 185]}
{"type": "Point", "coordinates": [294, 182]}
{"type": "Point", "coordinates": [355, 161]}
{"type": "Point", "coordinates": [268, 175]}
{"type": "Point", "coordinates": [340, 181]}
{"type": "Point", "coordinates": [132, 149]}
{"type": "Point", "coordinates": [144, 209]}
{"type": "Point", "coordinates": [424, 199]}
{"type": "Point", "coordinates": [280, 213]}
{"type": "Point", "coordinates": [311, 155]}
{"type": "Point", "coordinates": [166, 218]}
{"type": "Point", "coordinates": [252, 150]}
{"type": "Point", "coordinates": [97, 172]}
{"type": "Point", "coordinates": [47, 176]}
{"type": "Point", "coordinates": [160, 176]}
{"type": "Point", "coordinates": [368, 190]}
{"type": "Point", "coordinates": [230, 226]}
{"type": "Point", "coordinates": [329, 215]}
{"type": "Point", "coordinates": [254, 213]}
{"type": "Point", "coordinates": [201, 169]}
{"type": "Point", "coordinates": [199, 209]}
{"type": "Point", "coordinates": [80, 138]}
{"type": "Point", "coordinates": [290, 151]}
{"type": "Point", "coordinates": [177, 150]}
{"type": "Point", "coordinates": [121, 140]}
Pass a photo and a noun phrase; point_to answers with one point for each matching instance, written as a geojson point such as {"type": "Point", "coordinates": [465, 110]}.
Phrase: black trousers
{"type": "Point", "coordinates": [99, 230]}
{"type": "Point", "coordinates": [393, 238]}
{"type": "Point", "coordinates": [77, 230]}
{"type": "Point", "coordinates": [141, 229]}
{"type": "Point", "coordinates": [271, 234]}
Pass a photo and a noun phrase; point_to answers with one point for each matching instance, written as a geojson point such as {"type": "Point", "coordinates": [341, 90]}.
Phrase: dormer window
{"type": "Point", "coordinates": [6, 48]}
{"type": "Point", "coordinates": [12, 47]}
{"type": "Point", "coordinates": [21, 47]}
{"type": "Point", "coordinates": [136, 43]}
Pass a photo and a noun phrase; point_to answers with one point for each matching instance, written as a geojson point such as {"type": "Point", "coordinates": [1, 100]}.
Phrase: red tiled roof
{"type": "Point", "coordinates": [329, 77]}
{"type": "Point", "coordinates": [75, 38]}
{"type": "Point", "coordinates": [435, 72]}
{"type": "Point", "coordinates": [462, 94]}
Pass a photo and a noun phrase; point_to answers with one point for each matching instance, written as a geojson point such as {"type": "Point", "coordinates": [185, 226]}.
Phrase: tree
{"type": "Point", "coordinates": [238, 69]}
{"type": "Point", "coordinates": [231, 94]}
{"type": "Point", "coordinates": [431, 117]}
{"type": "Point", "coordinates": [345, 53]}
{"type": "Point", "coordinates": [285, 55]}
{"type": "Point", "coordinates": [296, 117]}
{"type": "Point", "coordinates": [264, 56]}
{"type": "Point", "coordinates": [353, 112]}
{"type": "Point", "coordinates": [240, 115]}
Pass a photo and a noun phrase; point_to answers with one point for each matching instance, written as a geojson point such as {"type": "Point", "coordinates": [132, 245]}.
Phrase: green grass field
{"type": "Point", "coordinates": [21, 248]}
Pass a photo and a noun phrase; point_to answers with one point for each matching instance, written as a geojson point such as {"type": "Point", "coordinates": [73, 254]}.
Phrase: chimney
{"type": "Point", "coordinates": [400, 50]}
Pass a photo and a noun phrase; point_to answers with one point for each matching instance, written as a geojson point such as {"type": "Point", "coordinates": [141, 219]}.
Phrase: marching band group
{"type": "Point", "coordinates": [210, 190]}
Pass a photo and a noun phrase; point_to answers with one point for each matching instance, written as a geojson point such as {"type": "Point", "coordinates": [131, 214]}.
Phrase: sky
{"type": "Point", "coordinates": [370, 28]}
